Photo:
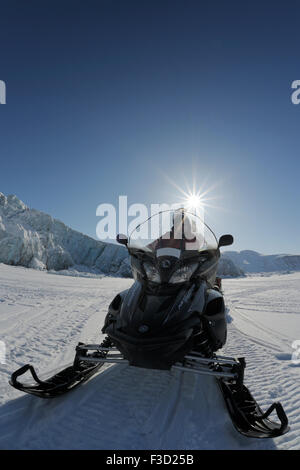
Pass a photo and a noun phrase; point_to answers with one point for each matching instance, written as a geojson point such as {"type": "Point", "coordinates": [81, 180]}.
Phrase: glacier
{"type": "Point", "coordinates": [33, 239]}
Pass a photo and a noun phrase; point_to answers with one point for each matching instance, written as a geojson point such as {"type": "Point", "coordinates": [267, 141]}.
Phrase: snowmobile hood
{"type": "Point", "coordinates": [144, 315]}
{"type": "Point", "coordinates": [155, 331]}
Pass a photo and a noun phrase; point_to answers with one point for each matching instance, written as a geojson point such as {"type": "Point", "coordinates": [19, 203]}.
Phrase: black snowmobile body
{"type": "Point", "coordinates": [172, 317]}
{"type": "Point", "coordinates": [156, 331]}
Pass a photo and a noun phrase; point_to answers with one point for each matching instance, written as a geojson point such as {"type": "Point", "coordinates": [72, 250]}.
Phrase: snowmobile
{"type": "Point", "coordinates": [173, 317]}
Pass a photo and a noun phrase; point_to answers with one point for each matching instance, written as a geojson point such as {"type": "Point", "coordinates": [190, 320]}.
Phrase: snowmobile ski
{"type": "Point", "coordinates": [246, 415]}
{"type": "Point", "coordinates": [65, 380]}
{"type": "Point", "coordinates": [58, 384]}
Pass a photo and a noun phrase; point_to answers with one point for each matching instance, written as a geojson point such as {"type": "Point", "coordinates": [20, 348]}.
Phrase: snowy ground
{"type": "Point", "coordinates": [43, 316]}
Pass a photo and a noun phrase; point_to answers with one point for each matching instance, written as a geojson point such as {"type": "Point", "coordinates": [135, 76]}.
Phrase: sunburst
{"type": "Point", "coordinates": [195, 196]}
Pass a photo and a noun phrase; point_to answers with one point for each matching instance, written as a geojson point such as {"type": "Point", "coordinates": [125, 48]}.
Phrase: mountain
{"type": "Point", "coordinates": [36, 240]}
{"type": "Point", "coordinates": [253, 262]}
{"type": "Point", "coordinates": [33, 239]}
{"type": "Point", "coordinates": [227, 268]}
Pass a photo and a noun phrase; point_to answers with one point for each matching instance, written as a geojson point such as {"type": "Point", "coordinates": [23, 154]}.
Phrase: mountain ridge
{"type": "Point", "coordinates": [34, 239]}
{"type": "Point", "coordinates": [254, 262]}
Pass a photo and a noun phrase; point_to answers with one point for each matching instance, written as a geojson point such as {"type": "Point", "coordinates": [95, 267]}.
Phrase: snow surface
{"type": "Point", "coordinates": [43, 316]}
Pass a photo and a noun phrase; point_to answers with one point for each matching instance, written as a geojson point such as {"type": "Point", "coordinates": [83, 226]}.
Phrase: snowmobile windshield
{"type": "Point", "coordinates": [174, 233]}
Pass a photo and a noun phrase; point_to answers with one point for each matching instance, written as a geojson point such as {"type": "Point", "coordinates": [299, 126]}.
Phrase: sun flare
{"type": "Point", "coordinates": [196, 196]}
{"type": "Point", "coordinates": [194, 201]}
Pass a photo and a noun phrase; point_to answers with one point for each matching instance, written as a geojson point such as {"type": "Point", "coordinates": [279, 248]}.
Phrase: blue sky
{"type": "Point", "coordinates": [117, 97]}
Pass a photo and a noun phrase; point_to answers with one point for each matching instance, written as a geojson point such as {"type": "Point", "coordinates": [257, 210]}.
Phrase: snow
{"type": "Point", "coordinates": [265, 314]}
{"type": "Point", "coordinates": [43, 316]}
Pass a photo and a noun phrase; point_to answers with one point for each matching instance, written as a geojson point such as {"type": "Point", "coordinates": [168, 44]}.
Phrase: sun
{"type": "Point", "coordinates": [193, 201]}
{"type": "Point", "coordinates": [197, 197]}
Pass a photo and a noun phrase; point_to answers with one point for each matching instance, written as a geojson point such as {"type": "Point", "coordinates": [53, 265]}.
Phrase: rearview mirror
{"type": "Point", "coordinates": [225, 240]}
{"type": "Point", "coordinates": [122, 239]}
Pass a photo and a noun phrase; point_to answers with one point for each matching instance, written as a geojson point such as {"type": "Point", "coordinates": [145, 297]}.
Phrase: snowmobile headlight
{"type": "Point", "coordinates": [183, 274]}
{"type": "Point", "coordinates": [152, 273]}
